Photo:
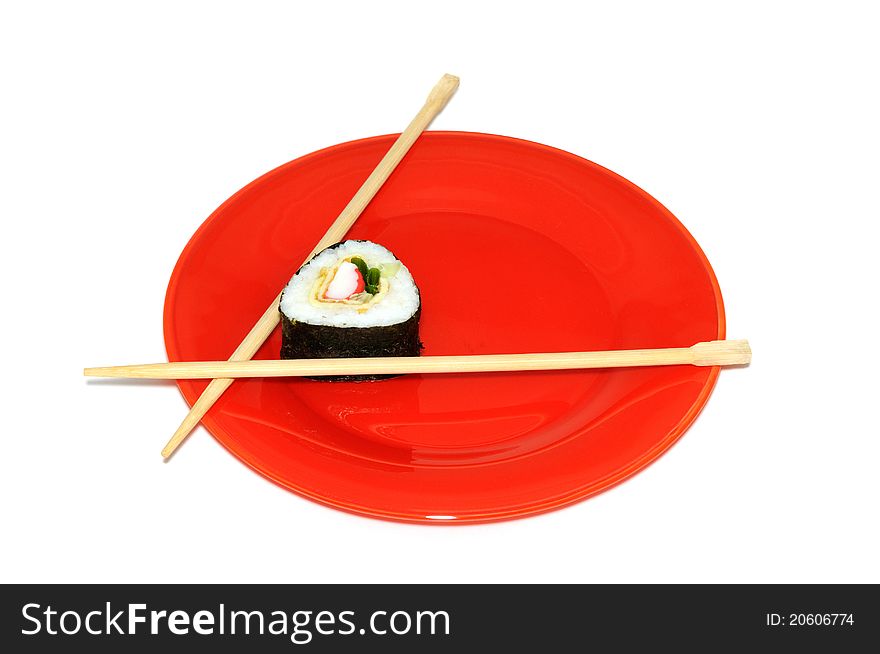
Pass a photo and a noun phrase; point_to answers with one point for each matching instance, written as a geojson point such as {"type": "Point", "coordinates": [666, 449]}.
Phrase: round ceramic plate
{"type": "Point", "coordinates": [517, 247]}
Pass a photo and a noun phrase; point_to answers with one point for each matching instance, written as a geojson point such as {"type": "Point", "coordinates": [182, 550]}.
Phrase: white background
{"type": "Point", "coordinates": [123, 128]}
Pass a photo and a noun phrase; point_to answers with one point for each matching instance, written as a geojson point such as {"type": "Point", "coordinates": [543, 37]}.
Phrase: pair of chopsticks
{"type": "Point", "coordinates": [222, 373]}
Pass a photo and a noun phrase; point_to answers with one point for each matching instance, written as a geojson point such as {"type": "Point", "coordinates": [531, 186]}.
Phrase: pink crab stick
{"type": "Point", "coordinates": [346, 282]}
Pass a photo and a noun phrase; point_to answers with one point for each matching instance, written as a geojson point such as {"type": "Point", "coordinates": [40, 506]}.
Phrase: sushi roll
{"type": "Point", "coordinates": [354, 299]}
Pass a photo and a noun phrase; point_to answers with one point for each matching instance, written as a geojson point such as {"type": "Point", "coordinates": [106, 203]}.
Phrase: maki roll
{"type": "Point", "coordinates": [354, 299]}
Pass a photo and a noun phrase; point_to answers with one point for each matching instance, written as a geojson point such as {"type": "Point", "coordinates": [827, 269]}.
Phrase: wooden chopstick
{"type": "Point", "coordinates": [709, 353]}
{"type": "Point", "coordinates": [437, 99]}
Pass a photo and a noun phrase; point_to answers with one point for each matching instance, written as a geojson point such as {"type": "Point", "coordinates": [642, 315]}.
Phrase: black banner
{"type": "Point", "coordinates": [323, 618]}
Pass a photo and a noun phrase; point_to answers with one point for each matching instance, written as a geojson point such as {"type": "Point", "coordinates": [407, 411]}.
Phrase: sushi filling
{"type": "Point", "coordinates": [350, 281]}
{"type": "Point", "coordinates": [346, 281]}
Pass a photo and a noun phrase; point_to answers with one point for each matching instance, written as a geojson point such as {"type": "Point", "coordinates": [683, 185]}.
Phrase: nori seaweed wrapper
{"type": "Point", "coordinates": [302, 340]}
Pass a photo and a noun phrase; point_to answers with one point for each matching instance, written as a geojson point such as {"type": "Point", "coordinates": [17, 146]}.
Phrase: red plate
{"type": "Point", "coordinates": [517, 247]}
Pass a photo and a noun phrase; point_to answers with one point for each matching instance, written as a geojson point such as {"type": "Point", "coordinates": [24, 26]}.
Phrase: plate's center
{"type": "Point", "coordinates": [480, 295]}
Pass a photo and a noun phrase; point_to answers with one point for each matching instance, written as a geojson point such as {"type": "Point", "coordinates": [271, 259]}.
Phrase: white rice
{"type": "Point", "coordinates": [397, 305]}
